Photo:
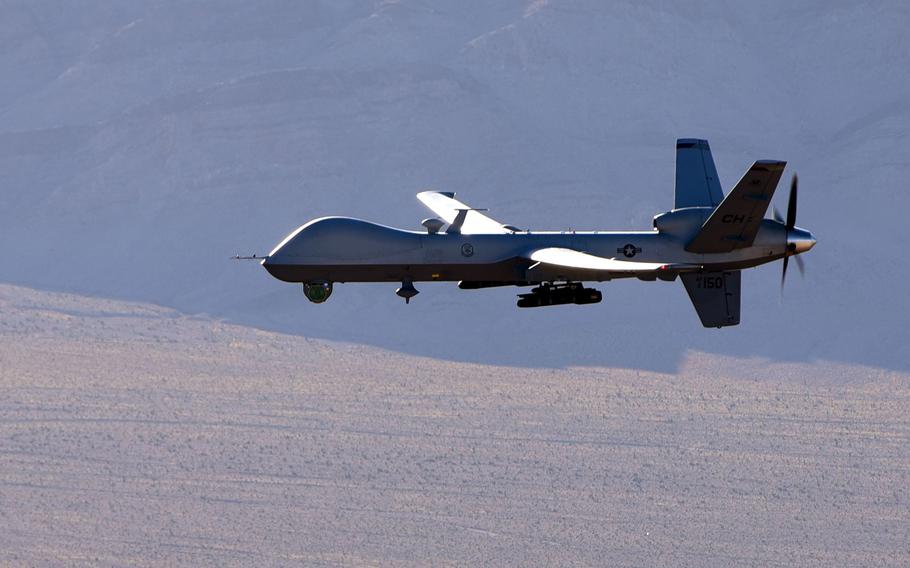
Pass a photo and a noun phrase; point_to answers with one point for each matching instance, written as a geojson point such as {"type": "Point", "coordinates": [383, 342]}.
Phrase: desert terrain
{"type": "Point", "coordinates": [133, 435]}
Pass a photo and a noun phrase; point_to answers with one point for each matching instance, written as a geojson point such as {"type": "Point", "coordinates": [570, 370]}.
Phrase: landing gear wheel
{"type": "Point", "coordinates": [317, 292]}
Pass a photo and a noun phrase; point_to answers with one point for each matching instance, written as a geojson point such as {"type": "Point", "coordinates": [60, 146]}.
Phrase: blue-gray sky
{"type": "Point", "coordinates": [141, 144]}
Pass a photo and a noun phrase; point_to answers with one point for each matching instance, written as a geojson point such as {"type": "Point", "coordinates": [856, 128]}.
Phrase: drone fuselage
{"type": "Point", "coordinates": [343, 249]}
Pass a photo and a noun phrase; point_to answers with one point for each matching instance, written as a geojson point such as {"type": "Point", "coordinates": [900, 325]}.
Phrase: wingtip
{"type": "Point", "coordinates": [449, 194]}
{"type": "Point", "coordinates": [772, 164]}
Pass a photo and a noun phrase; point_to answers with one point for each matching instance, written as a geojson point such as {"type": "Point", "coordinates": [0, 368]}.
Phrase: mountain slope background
{"type": "Point", "coordinates": [141, 144]}
{"type": "Point", "coordinates": [134, 435]}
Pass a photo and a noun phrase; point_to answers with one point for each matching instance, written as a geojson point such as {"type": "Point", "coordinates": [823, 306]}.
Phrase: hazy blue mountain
{"type": "Point", "coordinates": [141, 144]}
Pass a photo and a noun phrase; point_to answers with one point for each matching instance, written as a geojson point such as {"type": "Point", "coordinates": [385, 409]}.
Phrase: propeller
{"type": "Point", "coordinates": [790, 223]}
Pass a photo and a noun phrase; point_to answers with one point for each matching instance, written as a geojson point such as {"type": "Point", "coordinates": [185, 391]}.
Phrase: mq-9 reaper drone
{"type": "Point", "coordinates": [706, 240]}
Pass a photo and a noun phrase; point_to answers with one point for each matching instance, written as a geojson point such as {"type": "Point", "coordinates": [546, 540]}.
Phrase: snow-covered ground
{"type": "Point", "coordinates": [133, 435]}
{"type": "Point", "coordinates": [141, 144]}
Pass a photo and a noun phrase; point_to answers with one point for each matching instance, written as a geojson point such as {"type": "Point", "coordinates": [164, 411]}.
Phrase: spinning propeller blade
{"type": "Point", "coordinates": [791, 205]}
{"type": "Point", "coordinates": [790, 224]}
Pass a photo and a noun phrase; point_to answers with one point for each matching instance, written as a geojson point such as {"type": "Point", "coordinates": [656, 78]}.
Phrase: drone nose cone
{"type": "Point", "coordinates": [268, 263]}
{"type": "Point", "coordinates": [800, 240]}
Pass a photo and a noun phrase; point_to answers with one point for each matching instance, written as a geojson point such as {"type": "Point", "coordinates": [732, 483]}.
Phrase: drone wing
{"type": "Point", "coordinates": [460, 217]}
{"type": "Point", "coordinates": [569, 258]}
{"type": "Point", "coordinates": [579, 264]}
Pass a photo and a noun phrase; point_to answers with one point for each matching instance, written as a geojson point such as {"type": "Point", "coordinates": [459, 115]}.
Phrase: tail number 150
{"type": "Point", "coordinates": [710, 282]}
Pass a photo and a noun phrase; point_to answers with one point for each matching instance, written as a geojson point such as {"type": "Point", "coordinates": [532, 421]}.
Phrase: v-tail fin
{"type": "Point", "coordinates": [696, 177]}
{"type": "Point", "coordinates": [735, 222]}
{"type": "Point", "coordinates": [715, 295]}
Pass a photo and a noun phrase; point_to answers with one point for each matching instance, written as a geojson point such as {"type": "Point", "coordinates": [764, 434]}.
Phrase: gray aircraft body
{"type": "Point", "coordinates": [706, 240]}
